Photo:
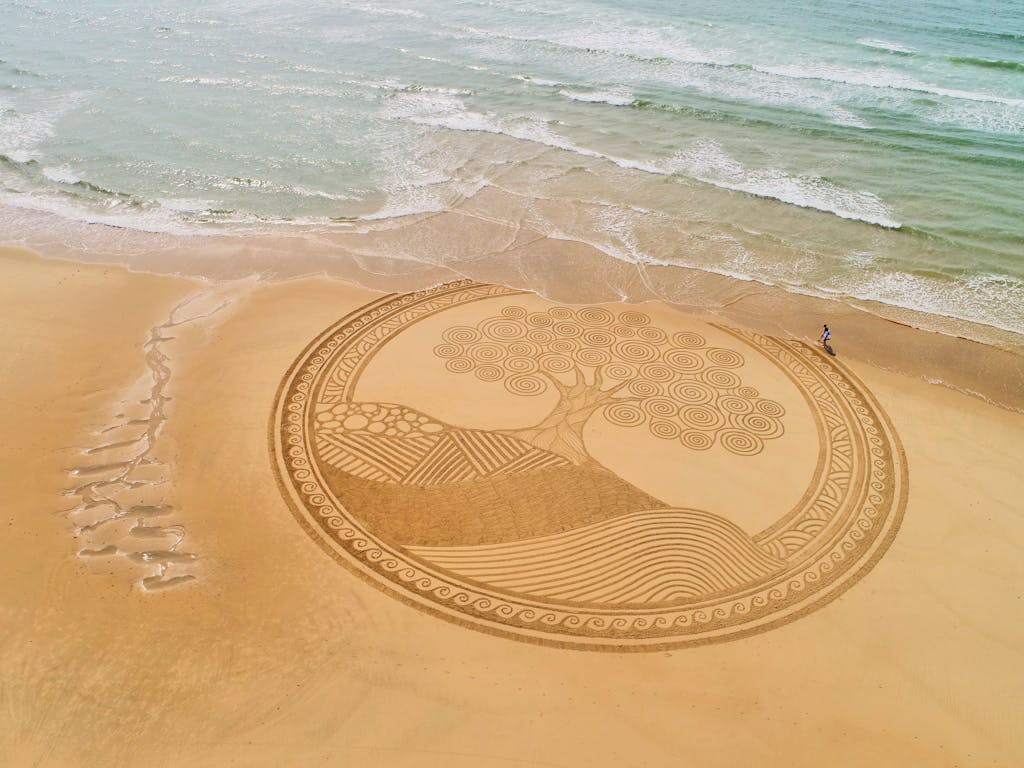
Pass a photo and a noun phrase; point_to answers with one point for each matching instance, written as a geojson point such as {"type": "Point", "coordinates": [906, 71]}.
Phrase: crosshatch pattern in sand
{"type": "Point", "coordinates": [522, 531]}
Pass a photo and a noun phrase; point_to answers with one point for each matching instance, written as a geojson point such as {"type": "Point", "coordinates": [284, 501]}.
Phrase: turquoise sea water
{"type": "Point", "coordinates": [849, 149]}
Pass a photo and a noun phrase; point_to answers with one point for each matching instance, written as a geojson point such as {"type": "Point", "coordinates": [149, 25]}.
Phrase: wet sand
{"type": "Point", "coordinates": [473, 241]}
{"type": "Point", "coordinates": [249, 646]}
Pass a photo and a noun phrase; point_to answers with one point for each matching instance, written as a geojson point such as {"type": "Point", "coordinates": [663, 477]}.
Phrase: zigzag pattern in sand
{"type": "Point", "coordinates": [454, 456]}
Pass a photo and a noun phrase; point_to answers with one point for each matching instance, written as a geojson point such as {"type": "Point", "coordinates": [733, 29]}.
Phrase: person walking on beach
{"type": "Point", "coordinates": [826, 337]}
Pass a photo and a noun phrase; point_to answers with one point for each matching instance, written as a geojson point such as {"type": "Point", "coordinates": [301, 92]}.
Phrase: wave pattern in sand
{"type": "Point", "coordinates": [646, 557]}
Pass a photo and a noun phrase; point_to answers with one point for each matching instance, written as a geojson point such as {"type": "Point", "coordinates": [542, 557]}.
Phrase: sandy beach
{"type": "Point", "coordinates": [446, 384]}
{"type": "Point", "coordinates": [180, 588]}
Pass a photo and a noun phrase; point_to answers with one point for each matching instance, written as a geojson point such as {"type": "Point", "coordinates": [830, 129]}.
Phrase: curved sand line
{"type": "Point", "coordinates": [643, 557]}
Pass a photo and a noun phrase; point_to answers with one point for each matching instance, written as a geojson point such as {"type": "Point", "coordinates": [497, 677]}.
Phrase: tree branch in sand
{"type": "Point", "coordinates": [618, 364]}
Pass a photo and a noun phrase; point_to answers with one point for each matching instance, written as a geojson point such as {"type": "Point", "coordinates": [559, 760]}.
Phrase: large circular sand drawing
{"type": "Point", "coordinates": [590, 477]}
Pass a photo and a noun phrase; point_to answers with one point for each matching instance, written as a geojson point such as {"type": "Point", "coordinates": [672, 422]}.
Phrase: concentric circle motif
{"type": "Point", "coordinates": [554, 362]}
{"type": "Point", "coordinates": [461, 334]}
{"type": "Point", "coordinates": [625, 414]}
{"type": "Point", "coordinates": [693, 392]}
{"type": "Point", "coordinates": [502, 328]}
{"type": "Point", "coordinates": [590, 357]}
{"type": "Point", "coordinates": [484, 529]}
{"type": "Point", "coordinates": [525, 385]}
{"type": "Point", "coordinates": [598, 316]}
{"type": "Point", "coordinates": [487, 372]}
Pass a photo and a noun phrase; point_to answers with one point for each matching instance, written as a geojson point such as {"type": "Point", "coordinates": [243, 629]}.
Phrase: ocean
{"type": "Point", "coordinates": [862, 151]}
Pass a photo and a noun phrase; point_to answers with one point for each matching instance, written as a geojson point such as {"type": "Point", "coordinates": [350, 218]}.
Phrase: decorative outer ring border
{"type": "Point", "coordinates": [876, 505]}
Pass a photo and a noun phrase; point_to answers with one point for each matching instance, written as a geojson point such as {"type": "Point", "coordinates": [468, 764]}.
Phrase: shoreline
{"type": "Point", "coordinates": [443, 247]}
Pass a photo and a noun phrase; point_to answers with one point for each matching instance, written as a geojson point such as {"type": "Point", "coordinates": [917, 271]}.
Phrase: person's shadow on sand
{"type": "Point", "coordinates": [828, 348]}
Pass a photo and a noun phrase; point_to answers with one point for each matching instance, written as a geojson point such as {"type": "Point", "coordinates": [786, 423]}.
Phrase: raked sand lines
{"type": "Point", "coordinates": [645, 557]}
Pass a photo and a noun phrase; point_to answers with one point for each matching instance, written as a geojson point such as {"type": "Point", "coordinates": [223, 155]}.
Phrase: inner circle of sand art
{"type": "Point", "coordinates": [521, 531]}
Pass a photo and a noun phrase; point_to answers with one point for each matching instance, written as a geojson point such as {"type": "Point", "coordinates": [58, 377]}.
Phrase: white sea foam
{"type": "Point", "coordinates": [267, 86]}
{"type": "Point", "coordinates": [376, 10]}
{"type": "Point", "coordinates": [861, 259]}
{"type": "Point", "coordinates": [156, 219]}
{"type": "Point", "coordinates": [881, 78]}
{"type": "Point", "coordinates": [301, 191]}
{"type": "Point", "coordinates": [523, 128]}
{"type": "Point", "coordinates": [537, 81]}
{"type": "Point", "coordinates": [23, 131]}
{"type": "Point", "coordinates": [995, 119]}
{"type": "Point", "coordinates": [268, 187]}
{"type": "Point", "coordinates": [417, 199]}
{"type": "Point", "coordinates": [528, 9]}
{"type": "Point", "coordinates": [885, 45]}
{"type": "Point", "coordinates": [299, 67]}
{"type": "Point", "coordinates": [707, 161]}
{"type": "Point", "coordinates": [617, 97]}
{"type": "Point", "coordinates": [994, 300]}
{"type": "Point", "coordinates": [188, 217]}
{"type": "Point", "coordinates": [397, 85]}
{"type": "Point", "coordinates": [194, 80]}
{"type": "Point", "coordinates": [988, 299]}
{"type": "Point", "coordinates": [405, 104]}
{"type": "Point", "coordinates": [750, 85]}
{"type": "Point", "coordinates": [21, 156]}
{"type": "Point", "coordinates": [186, 205]}
{"type": "Point", "coordinates": [61, 175]}
{"type": "Point", "coordinates": [432, 177]}
{"type": "Point", "coordinates": [645, 43]}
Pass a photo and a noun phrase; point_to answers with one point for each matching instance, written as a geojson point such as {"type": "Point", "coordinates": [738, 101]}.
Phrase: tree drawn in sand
{"type": "Point", "coordinates": [620, 365]}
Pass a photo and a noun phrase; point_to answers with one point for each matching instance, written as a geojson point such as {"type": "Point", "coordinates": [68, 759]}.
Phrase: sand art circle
{"type": "Point", "coordinates": [521, 532]}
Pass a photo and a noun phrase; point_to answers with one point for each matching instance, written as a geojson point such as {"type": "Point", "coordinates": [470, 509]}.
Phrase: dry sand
{"type": "Point", "coordinates": [251, 646]}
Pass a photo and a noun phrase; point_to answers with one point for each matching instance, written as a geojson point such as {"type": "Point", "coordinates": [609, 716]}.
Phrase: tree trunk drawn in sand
{"type": "Point", "coordinates": [561, 431]}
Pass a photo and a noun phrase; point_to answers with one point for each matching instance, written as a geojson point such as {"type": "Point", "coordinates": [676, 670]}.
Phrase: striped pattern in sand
{"type": "Point", "coordinates": [454, 456]}
{"type": "Point", "coordinates": [655, 556]}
